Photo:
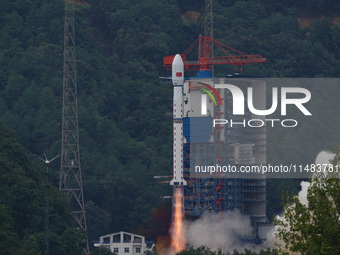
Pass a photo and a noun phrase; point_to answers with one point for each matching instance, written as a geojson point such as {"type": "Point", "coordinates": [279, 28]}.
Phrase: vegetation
{"type": "Point", "coordinates": [125, 133]}
{"type": "Point", "coordinates": [22, 227]}
{"type": "Point", "coordinates": [102, 251]}
{"type": "Point", "coordinates": [206, 251]}
{"type": "Point", "coordinates": [314, 228]}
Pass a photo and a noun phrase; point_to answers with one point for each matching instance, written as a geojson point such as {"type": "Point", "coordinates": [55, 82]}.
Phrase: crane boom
{"type": "Point", "coordinates": [206, 60]}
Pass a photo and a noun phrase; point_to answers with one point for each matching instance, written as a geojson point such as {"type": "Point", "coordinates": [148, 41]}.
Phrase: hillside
{"type": "Point", "coordinates": [125, 132]}
{"type": "Point", "coordinates": [22, 227]}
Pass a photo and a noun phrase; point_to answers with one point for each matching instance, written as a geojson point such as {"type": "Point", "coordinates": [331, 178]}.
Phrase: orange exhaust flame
{"type": "Point", "coordinates": [177, 234]}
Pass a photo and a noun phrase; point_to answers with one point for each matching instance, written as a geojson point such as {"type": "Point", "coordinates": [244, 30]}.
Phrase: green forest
{"type": "Point", "coordinates": [124, 123]}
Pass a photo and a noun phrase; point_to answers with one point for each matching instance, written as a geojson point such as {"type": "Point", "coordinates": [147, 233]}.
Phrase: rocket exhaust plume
{"type": "Point", "coordinates": [177, 233]}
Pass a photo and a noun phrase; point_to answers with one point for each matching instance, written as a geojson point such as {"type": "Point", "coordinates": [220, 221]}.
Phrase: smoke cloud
{"type": "Point", "coordinates": [222, 231]}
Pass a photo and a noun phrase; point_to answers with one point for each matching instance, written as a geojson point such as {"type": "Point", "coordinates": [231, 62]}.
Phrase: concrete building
{"type": "Point", "coordinates": [124, 243]}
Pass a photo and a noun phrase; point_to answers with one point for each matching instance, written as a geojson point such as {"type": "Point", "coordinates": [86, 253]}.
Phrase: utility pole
{"type": "Point", "coordinates": [71, 183]}
{"type": "Point", "coordinates": [47, 186]}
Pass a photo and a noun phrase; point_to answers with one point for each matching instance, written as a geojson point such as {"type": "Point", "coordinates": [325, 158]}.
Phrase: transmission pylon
{"type": "Point", "coordinates": [209, 27]}
{"type": "Point", "coordinates": [208, 19]}
{"type": "Point", "coordinates": [71, 183]}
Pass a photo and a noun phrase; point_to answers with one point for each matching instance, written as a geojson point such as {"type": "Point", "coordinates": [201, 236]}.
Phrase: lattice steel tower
{"type": "Point", "coordinates": [70, 168]}
{"type": "Point", "coordinates": [208, 19]}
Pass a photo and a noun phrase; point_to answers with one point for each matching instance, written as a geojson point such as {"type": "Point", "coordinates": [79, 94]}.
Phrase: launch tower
{"type": "Point", "coordinates": [222, 145]}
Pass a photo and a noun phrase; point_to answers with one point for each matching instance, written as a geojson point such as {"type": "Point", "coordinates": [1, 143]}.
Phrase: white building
{"type": "Point", "coordinates": [123, 243]}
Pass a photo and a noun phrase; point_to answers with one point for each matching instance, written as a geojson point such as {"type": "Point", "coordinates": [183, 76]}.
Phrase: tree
{"type": "Point", "coordinates": [102, 251]}
{"type": "Point", "coordinates": [22, 206]}
{"type": "Point", "coordinates": [314, 227]}
{"type": "Point", "coordinates": [203, 250]}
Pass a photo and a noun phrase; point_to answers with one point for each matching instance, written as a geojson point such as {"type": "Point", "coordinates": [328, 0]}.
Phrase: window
{"type": "Point", "coordinates": [138, 250]}
{"type": "Point", "coordinates": [116, 250]}
{"type": "Point", "coordinates": [127, 238]}
{"type": "Point", "coordinates": [126, 250]}
{"type": "Point", "coordinates": [106, 240]}
{"type": "Point", "coordinates": [137, 240]}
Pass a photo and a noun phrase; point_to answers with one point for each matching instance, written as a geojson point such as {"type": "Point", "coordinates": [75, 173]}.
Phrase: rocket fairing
{"type": "Point", "coordinates": [178, 81]}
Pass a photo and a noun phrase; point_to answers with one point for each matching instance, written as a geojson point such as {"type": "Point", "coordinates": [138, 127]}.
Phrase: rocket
{"type": "Point", "coordinates": [178, 82]}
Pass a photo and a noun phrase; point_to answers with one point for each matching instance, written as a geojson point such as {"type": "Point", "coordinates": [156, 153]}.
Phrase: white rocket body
{"type": "Point", "coordinates": [178, 81]}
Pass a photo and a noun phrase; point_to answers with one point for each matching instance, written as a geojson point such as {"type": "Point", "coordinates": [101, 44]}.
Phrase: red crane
{"type": "Point", "coordinates": [206, 58]}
